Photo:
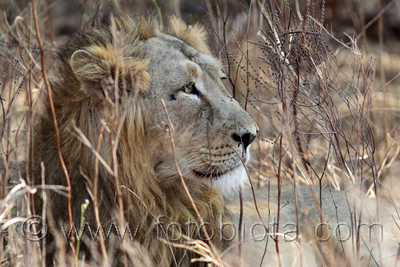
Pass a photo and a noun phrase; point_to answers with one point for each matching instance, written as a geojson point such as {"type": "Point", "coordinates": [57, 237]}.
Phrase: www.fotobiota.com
{"type": "Point", "coordinates": [35, 228]}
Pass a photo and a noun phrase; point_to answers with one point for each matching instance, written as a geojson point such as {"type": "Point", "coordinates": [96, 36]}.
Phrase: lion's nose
{"type": "Point", "coordinates": [246, 139]}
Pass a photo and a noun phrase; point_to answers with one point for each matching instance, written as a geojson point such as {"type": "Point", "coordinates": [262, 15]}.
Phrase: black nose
{"type": "Point", "coordinates": [245, 139]}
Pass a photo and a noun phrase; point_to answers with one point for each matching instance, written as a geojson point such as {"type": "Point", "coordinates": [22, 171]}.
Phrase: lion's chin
{"type": "Point", "coordinates": [229, 183]}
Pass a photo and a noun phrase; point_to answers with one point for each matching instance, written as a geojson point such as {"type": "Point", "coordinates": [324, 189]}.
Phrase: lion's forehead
{"type": "Point", "coordinates": [167, 47]}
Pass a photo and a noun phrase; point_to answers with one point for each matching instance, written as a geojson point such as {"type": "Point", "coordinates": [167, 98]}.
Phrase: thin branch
{"type": "Point", "coordinates": [53, 115]}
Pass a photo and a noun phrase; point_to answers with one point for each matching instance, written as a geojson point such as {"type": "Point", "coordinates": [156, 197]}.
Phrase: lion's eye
{"type": "Point", "coordinates": [189, 88]}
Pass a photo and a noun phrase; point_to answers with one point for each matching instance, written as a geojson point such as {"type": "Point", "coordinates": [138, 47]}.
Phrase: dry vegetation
{"type": "Point", "coordinates": [320, 80]}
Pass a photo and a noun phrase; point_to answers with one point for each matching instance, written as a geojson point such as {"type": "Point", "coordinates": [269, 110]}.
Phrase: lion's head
{"type": "Point", "coordinates": [109, 108]}
{"type": "Point", "coordinates": [210, 126]}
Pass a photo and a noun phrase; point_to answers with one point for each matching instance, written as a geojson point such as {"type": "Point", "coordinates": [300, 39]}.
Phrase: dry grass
{"type": "Point", "coordinates": [327, 109]}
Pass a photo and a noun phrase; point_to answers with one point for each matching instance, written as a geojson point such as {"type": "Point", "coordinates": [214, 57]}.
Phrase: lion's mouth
{"type": "Point", "coordinates": [228, 165]}
{"type": "Point", "coordinates": [213, 175]}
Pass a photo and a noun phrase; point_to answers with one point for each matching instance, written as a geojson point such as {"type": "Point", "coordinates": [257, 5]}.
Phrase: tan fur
{"type": "Point", "coordinates": [192, 69]}
{"type": "Point", "coordinates": [196, 36]}
{"type": "Point", "coordinates": [348, 239]}
{"type": "Point", "coordinates": [112, 81]}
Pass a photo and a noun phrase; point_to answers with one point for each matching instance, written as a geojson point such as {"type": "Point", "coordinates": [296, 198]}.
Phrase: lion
{"type": "Point", "coordinates": [140, 108]}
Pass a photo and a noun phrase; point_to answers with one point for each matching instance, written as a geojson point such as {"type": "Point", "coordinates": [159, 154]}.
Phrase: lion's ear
{"type": "Point", "coordinates": [96, 68]}
{"type": "Point", "coordinates": [86, 67]}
